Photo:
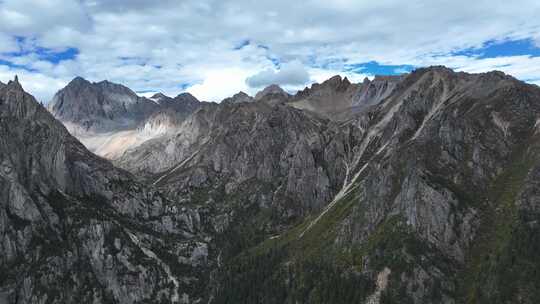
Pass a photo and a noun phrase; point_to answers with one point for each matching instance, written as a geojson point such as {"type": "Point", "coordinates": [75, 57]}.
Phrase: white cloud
{"type": "Point", "coordinates": [35, 17]}
{"type": "Point", "coordinates": [293, 74]}
{"type": "Point", "coordinates": [41, 86]}
{"type": "Point", "coordinates": [220, 83]}
{"type": "Point", "coordinates": [7, 44]}
{"type": "Point", "coordinates": [164, 44]}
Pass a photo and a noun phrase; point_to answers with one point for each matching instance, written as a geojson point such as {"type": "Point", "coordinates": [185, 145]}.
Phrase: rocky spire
{"type": "Point", "coordinates": [14, 84]}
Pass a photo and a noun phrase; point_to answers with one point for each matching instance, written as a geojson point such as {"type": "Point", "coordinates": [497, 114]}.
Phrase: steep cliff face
{"type": "Point", "coordinates": [299, 157]}
{"type": "Point", "coordinates": [74, 228]}
{"type": "Point", "coordinates": [432, 209]}
{"type": "Point", "coordinates": [99, 107]}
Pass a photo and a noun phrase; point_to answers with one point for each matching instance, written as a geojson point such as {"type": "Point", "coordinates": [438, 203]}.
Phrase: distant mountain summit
{"type": "Point", "coordinates": [158, 96]}
{"type": "Point", "coordinates": [238, 97]}
{"type": "Point", "coordinates": [108, 117]}
{"type": "Point", "coordinates": [272, 91]}
{"type": "Point", "coordinates": [100, 106]}
{"type": "Point", "coordinates": [105, 106]}
{"type": "Point", "coordinates": [337, 97]}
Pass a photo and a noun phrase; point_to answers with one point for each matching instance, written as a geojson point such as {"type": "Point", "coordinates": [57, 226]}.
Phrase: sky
{"type": "Point", "coordinates": [215, 48]}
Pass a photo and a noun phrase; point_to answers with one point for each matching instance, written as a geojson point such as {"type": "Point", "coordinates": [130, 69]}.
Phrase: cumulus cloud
{"type": "Point", "coordinates": [220, 83]}
{"type": "Point", "coordinates": [41, 86]}
{"type": "Point", "coordinates": [168, 45]}
{"type": "Point", "coordinates": [291, 74]}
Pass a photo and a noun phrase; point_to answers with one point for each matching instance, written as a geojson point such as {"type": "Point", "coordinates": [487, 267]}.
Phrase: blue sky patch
{"type": "Point", "coordinates": [16, 66]}
{"type": "Point", "coordinates": [56, 57]}
{"type": "Point", "coordinates": [493, 49]}
{"type": "Point", "coordinates": [27, 48]}
{"type": "Point", "coordinates": [375, 68]}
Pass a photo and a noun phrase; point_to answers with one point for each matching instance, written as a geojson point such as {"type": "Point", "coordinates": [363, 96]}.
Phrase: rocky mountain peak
{"type": "Point", "coordinates": [159, 96]}
{"type": "Point", "coordinates": [241, 94]}
{"type": "Point", "coordinates": [79, 80]}
{"type": "Point", "coordinates": [238, 97]}
{"type": "Point", "coordinates": [99, 106]}
{"type": "Point", "coordinates": [272, 89]}
{"type": "Point", "coordinates": [337, 83]}
{"type": "Point", "coordinates": [14, 84]}
{"type": "Point", "coordinates": [186, 96]}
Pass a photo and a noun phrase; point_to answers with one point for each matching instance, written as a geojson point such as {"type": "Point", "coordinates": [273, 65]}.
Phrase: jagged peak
{"type": "Point", "coordinates": [241, 93]}
{"type": "Point", "coordinates": [334, 78]}
{"type": "Point", "coordinates": [185, 94]}
{"type": "Point", "coordinates": [434, 69]}
{"type": "Point", "coordinates": [79, 80]}
{"type": "Point", "coordinates": [107, 83]}
{"type": "Point", "coordinates": [159, 95]}
{"type": "Point", "coordinates": [238, 97]}
{"type": "Point", "coordinates": [14, 84]}
{"type": "Point", "coordinates": [336, 82]}
{"type": "Point", "coordinates": [448, 73]}
{"type": "Point", "coordinates": [271, 89]}
{"type": "Point", "coordinates": [185, 97]}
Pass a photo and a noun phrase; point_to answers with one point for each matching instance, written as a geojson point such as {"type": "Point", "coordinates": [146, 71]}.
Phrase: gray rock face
{"type": "Point", "coordinates": [100, 107]}
{"type": "Point", "coordinates": [109, 118]}
{"type": "Point", "coordinates": [429, 171]}
{"type": "Point", "coordinates": [74, 228]}
{"type": "Point", "coordinates": [374, 91]}
{"type": "Point", "coordinates": [437, 198]}
{"type": "Point", "coordinates": [297, 155]}
{"type": "Point", "coordinates": [238, 97]}
{"type": "Point", "coordinates": [272, 94]}
{"type": "Point", "coordinates": [183, 104]}
{"type": "Point", "coordinates": [105, 106]}
{"type": "Point", "coordinates": [339, 99]}
{"type": "Point", "coordinates": [172, 113]}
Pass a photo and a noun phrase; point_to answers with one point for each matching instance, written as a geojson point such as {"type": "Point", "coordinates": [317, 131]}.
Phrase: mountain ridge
{"type": "Point", "coordinates": [424, 192]}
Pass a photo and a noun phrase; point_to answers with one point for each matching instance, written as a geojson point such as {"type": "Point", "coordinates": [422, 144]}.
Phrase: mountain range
{"type": "Point", "coordinates": [418, 188]}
